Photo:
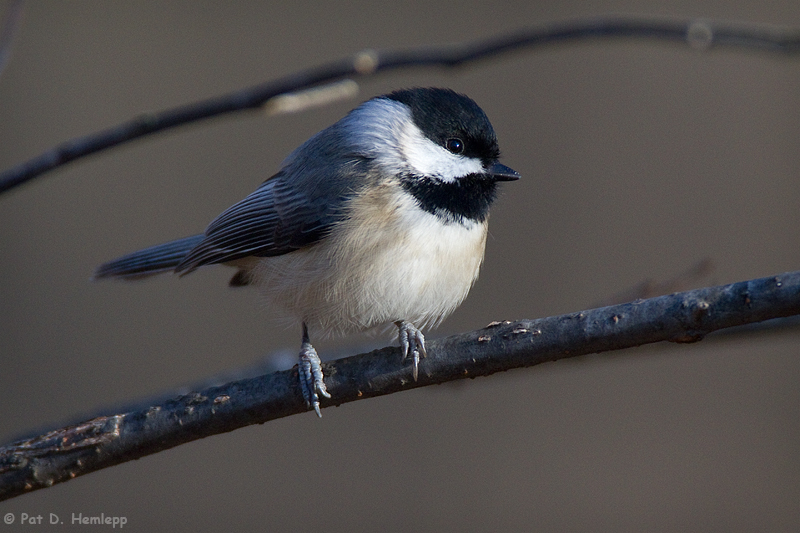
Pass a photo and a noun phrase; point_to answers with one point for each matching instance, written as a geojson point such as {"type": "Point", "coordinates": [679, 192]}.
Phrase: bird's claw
{"type": "Point", "coordinates": [311, 383]}
{"type": "Point", "coordinates": [412, 342]}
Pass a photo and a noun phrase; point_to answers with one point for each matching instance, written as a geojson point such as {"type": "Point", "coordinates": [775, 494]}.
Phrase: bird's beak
{"type": "Point", "coordinates": [502, 173]}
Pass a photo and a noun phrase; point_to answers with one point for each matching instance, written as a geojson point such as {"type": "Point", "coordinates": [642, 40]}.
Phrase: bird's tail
{"type": "Point", "coordinates": [154, 260]}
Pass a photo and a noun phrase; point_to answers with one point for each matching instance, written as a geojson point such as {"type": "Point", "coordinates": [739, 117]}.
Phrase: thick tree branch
{"type": "Point", "coordinates": [696, 33]}
{"type": "Point", "coordinates": [105, 441]}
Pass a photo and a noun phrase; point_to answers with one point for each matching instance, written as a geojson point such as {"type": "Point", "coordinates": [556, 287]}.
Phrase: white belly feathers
{"type": "Point", "coordinates": [404, 264]}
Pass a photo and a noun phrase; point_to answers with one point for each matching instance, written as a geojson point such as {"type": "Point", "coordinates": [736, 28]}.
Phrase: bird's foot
{"type": "Point", "coordinates": [310, 370]}
{"type": "Point", "coordinates": [412, 343]}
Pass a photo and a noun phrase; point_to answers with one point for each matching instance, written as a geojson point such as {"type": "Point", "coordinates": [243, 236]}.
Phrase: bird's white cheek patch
{"type": "Point", "coordinates": [427, 158]}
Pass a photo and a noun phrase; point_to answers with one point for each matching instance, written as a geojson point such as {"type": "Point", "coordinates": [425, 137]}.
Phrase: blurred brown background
{"type": "Point", "coordinates": [638, 159]}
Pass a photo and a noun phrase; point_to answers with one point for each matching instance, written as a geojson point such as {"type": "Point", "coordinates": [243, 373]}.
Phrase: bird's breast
{"type": "Point", "coordinates": [388, 260]}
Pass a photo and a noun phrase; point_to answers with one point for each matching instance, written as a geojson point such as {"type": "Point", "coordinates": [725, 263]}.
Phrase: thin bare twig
{"type": "Point", "coordinates": [699, 34]}
{"type": "Point", "coordinates": [695, 276]}
{"type": "Point", "coordinates": [104, 441]}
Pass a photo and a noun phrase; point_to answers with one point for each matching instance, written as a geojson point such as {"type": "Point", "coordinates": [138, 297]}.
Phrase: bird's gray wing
{"type": "Point", "coordinates": [275, 219]}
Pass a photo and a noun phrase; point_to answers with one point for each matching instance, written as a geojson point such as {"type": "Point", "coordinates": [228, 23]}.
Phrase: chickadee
{"type": "Point", "coordinates": [381, 217]}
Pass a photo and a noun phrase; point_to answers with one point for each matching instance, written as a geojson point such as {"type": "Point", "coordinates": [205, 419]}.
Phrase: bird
{"type": "Point", "coordinates": [379, 219]}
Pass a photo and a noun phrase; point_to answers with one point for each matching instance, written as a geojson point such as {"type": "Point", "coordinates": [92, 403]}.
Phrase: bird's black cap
{"type": "Point", "coordinates": [443, 114]}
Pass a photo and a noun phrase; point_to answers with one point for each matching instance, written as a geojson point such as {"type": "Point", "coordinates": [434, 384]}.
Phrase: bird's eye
{"type": "Point", "coordinates": [455, 146]}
